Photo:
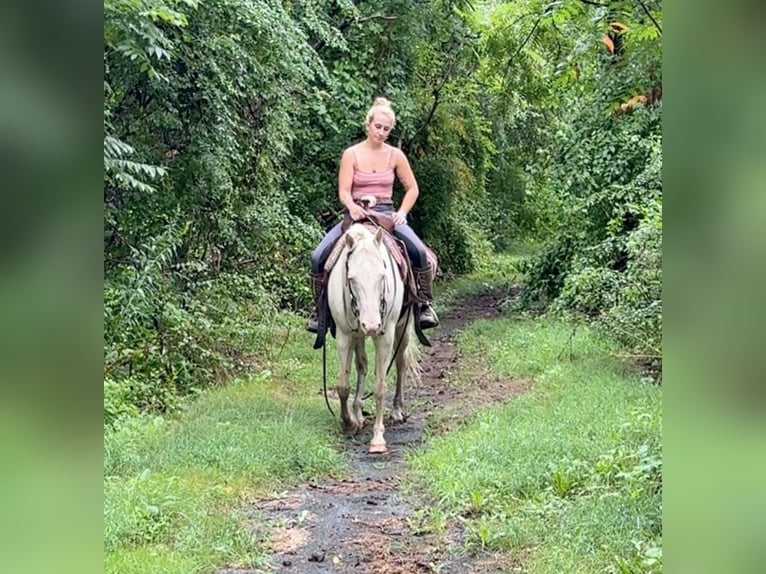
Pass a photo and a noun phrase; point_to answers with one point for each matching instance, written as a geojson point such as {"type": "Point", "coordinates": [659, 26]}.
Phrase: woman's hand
{"type": "Point", "coordinates": [399, 218]}
{"type": "Point", "coordinates": [356, 212]}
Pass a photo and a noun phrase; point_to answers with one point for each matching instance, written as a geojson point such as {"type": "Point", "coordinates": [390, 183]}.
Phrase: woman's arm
{"type": "Point", "coordinates": [411, 191]}
{"type": "Point", "coordinates": [345, 179]}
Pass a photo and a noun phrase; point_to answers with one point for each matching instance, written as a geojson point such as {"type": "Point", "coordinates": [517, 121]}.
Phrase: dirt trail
{"type": "Point", "coordinates": [363, 523]}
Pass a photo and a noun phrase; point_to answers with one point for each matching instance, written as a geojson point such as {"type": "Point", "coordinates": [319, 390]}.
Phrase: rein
{"type": "Point", "coordinates": [324, 378]}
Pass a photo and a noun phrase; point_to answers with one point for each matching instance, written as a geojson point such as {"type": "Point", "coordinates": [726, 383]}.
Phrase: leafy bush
{"type": "Point", "coordinates": [606, 262]}
{"type": "Point", "coordinates": [449, 215]}
{"type": "Point", "coordinates": [118, 404]}
{"type": "Point", "coordinates": [170, 331]}
{"type": "Point", "coordinates": [545, 272]}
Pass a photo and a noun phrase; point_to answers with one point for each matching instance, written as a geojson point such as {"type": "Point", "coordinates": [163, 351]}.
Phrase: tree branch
{"type": "Point", "coordinates": [526, 40]}
{"type": "Point", "coordinates": [427, 120]}
{"type": "Point", "coordinates": [436, 93]}
{"type": "Point", "coordinates": [346, 24]}
{"type": "Point", "coordinates": [374, 16]}
{"type": "Point", "coordinates": [656, 25]}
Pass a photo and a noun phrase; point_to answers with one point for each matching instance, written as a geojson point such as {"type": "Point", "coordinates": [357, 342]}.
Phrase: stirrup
{"type": "Point", "coordinates": [428, 318]}
{"type": "Point", "coordinates": [312, 326]}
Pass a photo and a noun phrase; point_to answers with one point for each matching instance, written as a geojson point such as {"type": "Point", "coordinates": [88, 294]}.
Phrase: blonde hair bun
{"type": "Point", "coordinates": [383, 106]}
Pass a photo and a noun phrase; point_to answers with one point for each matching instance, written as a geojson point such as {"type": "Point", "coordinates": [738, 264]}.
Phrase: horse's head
{"type": "Point", "coordinates": [366, 277]}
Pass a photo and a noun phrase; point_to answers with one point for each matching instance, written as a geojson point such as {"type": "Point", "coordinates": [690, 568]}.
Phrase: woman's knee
{"type": "Point", "coordinates": [320, 254]}
{"type": "Point", "coordinates": [415, 246]}
{"type": "Point", "coordinates": [316, 261]}
{"type": "Point", "coordinates": [422, 256]}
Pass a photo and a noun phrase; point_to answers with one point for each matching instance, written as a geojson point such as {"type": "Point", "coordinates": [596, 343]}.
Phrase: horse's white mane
{"type": "Point", "coordinates": [364, 241]}
{"type": "Point", "coordinates": [358, 232]}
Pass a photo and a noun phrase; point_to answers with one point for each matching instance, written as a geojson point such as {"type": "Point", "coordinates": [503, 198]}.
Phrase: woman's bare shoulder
{"type": "Point", "coordinates": [354, 146]}
{"type": "Point", "coordinates": [348, 152]}
{"type": "Point", "coordinates": [351, 150]}
{"type": "Point", "coordinates": [396, 154]}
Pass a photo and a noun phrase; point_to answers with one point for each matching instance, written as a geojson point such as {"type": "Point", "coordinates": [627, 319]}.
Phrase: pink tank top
{"type": "Point", "coordinates": [379, 184]}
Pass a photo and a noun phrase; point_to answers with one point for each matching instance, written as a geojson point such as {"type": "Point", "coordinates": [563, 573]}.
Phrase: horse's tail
{"type": "Point", "coordinates": [412, 353]}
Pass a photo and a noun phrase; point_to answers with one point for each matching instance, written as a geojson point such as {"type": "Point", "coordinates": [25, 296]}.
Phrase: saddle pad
{"type": "Point", "coordinates": [332, 259]}
{"type": "Point", "coordinates": [433, 260]}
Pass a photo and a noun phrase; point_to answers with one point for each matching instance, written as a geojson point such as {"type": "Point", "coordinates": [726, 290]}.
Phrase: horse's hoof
{"type": "Point", "coordinates": [351, 428]}
{"type": "Point", "coordinates": [378, 448]}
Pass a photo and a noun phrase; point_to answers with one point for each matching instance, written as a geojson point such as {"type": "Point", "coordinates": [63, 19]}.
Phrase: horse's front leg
{"type": "Point", "coordinates": [361, 373]}
{"type": "Point", "coordinates": [402, 365]}
{"type": "Point", "coordinates": [345, 347]}
{"type": "Point", "coordinates": [383, 350]}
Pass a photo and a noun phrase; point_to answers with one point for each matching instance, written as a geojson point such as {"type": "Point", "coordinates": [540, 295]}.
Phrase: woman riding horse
{"type": "Point", "coordinates": [368, 169]}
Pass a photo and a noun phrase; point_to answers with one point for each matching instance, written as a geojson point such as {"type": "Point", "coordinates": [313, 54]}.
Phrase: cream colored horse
{"type": "Point", "coordinates": [365, 294]}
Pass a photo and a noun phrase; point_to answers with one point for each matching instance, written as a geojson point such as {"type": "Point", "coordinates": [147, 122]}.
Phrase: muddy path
{"type": "Point", "coordinates": [363, 522]}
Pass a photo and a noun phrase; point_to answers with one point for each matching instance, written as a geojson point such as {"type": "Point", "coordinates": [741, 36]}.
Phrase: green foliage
{"type": "Point", "coordinates": [126, 173]}
{"type": "Point", "coordinates": [588, 177]}
{"type": "Point", "coordinates": [571, 470]}
{"type": "Point", "coordinates": [118, 402]}
{"type": "Point", "coordinates": [162, 342]}
{"type": "Point", "coordinates": [135, 30]}
{"type": "Point", "coordinates": [619, 280]}
{"type": "Point", "coordinates": [444, 217]}
{"type": "Point", "coordinates": [545, 272]}
{"type": "Point", "coordinates": [606, 263]}
{"type": "Point", "coordinates": [199, 243]}
{"type": "Point", "coordinates": [176, 488]}
{"type": "Point", "coordinates": [452, 210]}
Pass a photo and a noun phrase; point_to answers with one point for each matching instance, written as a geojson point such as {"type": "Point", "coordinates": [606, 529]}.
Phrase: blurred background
{"type": "Point", "coordinates": [713, 335]}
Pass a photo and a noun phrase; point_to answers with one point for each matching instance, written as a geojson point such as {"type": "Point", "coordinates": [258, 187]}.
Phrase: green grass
{"type": "Point", "coordinates": [499, 273]}
{"type": "Point", "coordinates": [150, 560]}
{"type": "Point", "coordinates": [175, 488]}
{"type": "Point", "coordinates": [568, 475]}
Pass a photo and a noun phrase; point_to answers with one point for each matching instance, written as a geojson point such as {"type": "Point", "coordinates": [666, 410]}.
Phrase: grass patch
{"type": "Point", "coordinates": [571, 471]}
{"type": "Point", "coordinates": [150, 560]}
{"type": "Point", "coordinates": [500, 272]}
{"type": "Point", "coordinates": [163, 522]}
{"type": "Point", "coordinates": [241, 431]}
{"type": "Point", "coordinates": [175, 489]}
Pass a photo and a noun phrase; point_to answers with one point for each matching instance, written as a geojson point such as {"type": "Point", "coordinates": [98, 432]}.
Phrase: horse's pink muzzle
{"type": "Point", "coordinates": [370, 326]}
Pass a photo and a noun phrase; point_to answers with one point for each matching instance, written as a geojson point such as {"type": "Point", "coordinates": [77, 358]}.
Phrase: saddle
{"type": "Point", "coordinates": [375, 219]}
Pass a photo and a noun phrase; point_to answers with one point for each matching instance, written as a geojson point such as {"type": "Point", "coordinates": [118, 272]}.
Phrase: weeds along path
{"type": "Point", "coordinates": [364, 523]}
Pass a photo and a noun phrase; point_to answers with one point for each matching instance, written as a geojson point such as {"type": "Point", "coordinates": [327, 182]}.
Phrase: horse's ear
{"type": "Point", "coordinates": [349, 240]}
{"type": "Point", "coordinates": [379, 235]}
